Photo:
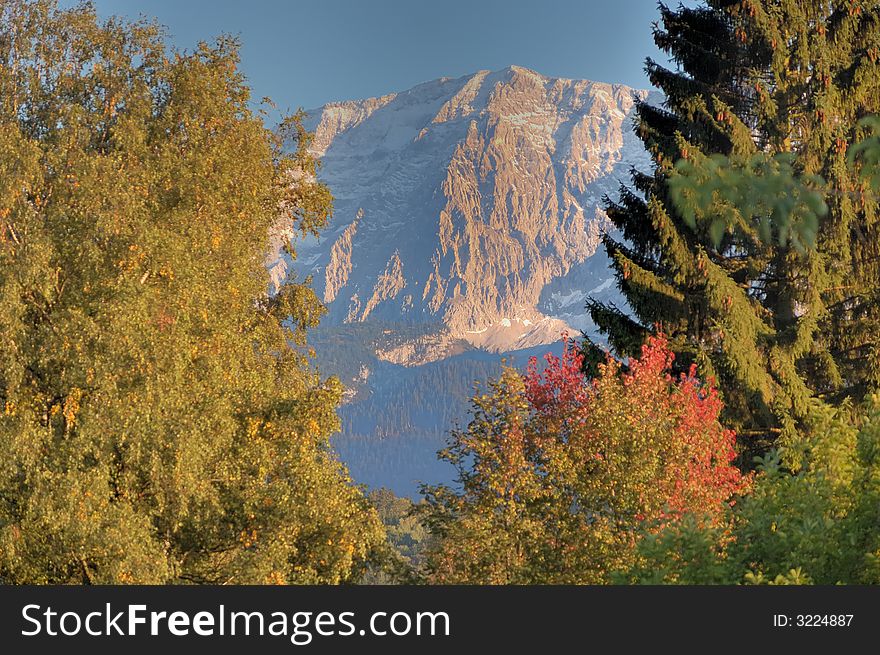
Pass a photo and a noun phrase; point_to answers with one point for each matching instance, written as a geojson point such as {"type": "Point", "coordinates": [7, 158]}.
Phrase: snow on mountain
{"type": "Point", "coordinates": [467, 225]}
{"type": "Point", "coordinates": [470, 204]}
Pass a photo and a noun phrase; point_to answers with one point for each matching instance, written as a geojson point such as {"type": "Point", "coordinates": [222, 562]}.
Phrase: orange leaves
{"type": "Point", "coordinates": [71, 406]}
{"type": "Point", "coordinates": [561, 473]}
{"type": "Point", "coordinates": [313, 428]}
{"type": "Point", "coordinates": [663, 418]}
{"type": "Point", "coordinates": [165, 319]}
{"type": "Point", "coordinates": [253, 427]}
{"type": "Point", "coordinates": [248, 538]}
{"type": "Point", "coordinates": [276, 578]}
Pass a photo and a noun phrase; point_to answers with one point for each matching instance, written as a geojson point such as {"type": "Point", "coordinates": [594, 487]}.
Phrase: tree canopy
{"type": "Point", "coordinates": [559, 475]}
{"type": "Point", "coordinates": [157, 424]}
{"type": "Point", "coordinates": [779, 88]}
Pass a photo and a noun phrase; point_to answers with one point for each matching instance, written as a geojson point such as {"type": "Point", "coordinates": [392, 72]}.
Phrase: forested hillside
{"type": "Point", "coordinates": [395, 417]}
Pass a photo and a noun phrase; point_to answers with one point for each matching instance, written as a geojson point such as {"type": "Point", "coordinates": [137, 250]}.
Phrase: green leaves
{"type": "Point", "coordinates": [777, 266]}
{"type": "Point", "coordinates": [760, 195]}
{"type": "Point", "coordinates": [764, 194]}
{"type": "Point", "coordinates": [816, 526]}
{"type": "Point", "coordinates": [158, 425]}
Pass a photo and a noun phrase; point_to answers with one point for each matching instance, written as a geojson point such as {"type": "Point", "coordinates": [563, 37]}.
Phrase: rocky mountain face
{"type": "Point", "coordinates": [467, 223]}
{"type": "Point", "coordinates": [470, 204]}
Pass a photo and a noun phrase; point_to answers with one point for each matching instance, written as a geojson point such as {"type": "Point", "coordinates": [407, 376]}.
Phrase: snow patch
{"type": "Point", "coordinates": [566, 299]}
{"type": "Point", "coordinates": [602, 287]}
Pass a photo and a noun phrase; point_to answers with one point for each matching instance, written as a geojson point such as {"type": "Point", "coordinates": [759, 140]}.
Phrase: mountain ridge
{"type": "Point", "coordinates": [466, 203]}
{"type": "Point", "coordinates": [466, 236]}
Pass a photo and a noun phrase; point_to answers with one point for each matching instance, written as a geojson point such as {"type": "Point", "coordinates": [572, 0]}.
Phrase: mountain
{"type": "Point", "coordinates": [467, 221]}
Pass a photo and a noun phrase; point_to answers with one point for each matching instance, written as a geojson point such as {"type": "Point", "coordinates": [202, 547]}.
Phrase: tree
{"type": "Point", "coordinates": [775, 323]}
{"type": "Point", "coordinates": [157, 424]}
{"type": "Point", "coordinates": [559, 474]}
{"type": "Point", "coordinates": [401, 559]}
{"type": "Point", "coordinates": [816, 526]}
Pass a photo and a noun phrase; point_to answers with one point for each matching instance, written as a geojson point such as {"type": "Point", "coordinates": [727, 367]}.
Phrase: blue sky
{"type": "Point", "coordinates": [303, 53]}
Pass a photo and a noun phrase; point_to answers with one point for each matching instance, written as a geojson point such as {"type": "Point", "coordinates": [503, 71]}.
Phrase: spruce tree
{"type": "Point", "coordinates": [778, 326]}
{"type": "Point", "coordinates": [156, 423]}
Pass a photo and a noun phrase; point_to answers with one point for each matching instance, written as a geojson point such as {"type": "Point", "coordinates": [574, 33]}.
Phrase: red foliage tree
{"type": "Point", "coordinates": [698, 475]}
{"type": "Point", "coordinates": [560, 473]}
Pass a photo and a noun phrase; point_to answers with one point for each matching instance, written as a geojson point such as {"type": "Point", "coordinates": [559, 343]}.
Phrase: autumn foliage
{"type": "Point", "coordinates": [560, 473]}
{"type": "Point", "coordinates": [156, 422]}
{"type": "Point", "coordinates": [675, 421]}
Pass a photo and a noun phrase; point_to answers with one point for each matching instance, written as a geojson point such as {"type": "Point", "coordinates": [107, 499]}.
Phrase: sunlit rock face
{"type": "Point", "coordinates": [471, 204]}
{"type": "Point", "coordinates": [467, 219]}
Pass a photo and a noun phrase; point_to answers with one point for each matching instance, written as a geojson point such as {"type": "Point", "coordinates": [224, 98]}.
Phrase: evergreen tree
{"type": "Point", "coordinates": [157, 425]}
{"type": "Point", "coordinates": [776, 324]}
